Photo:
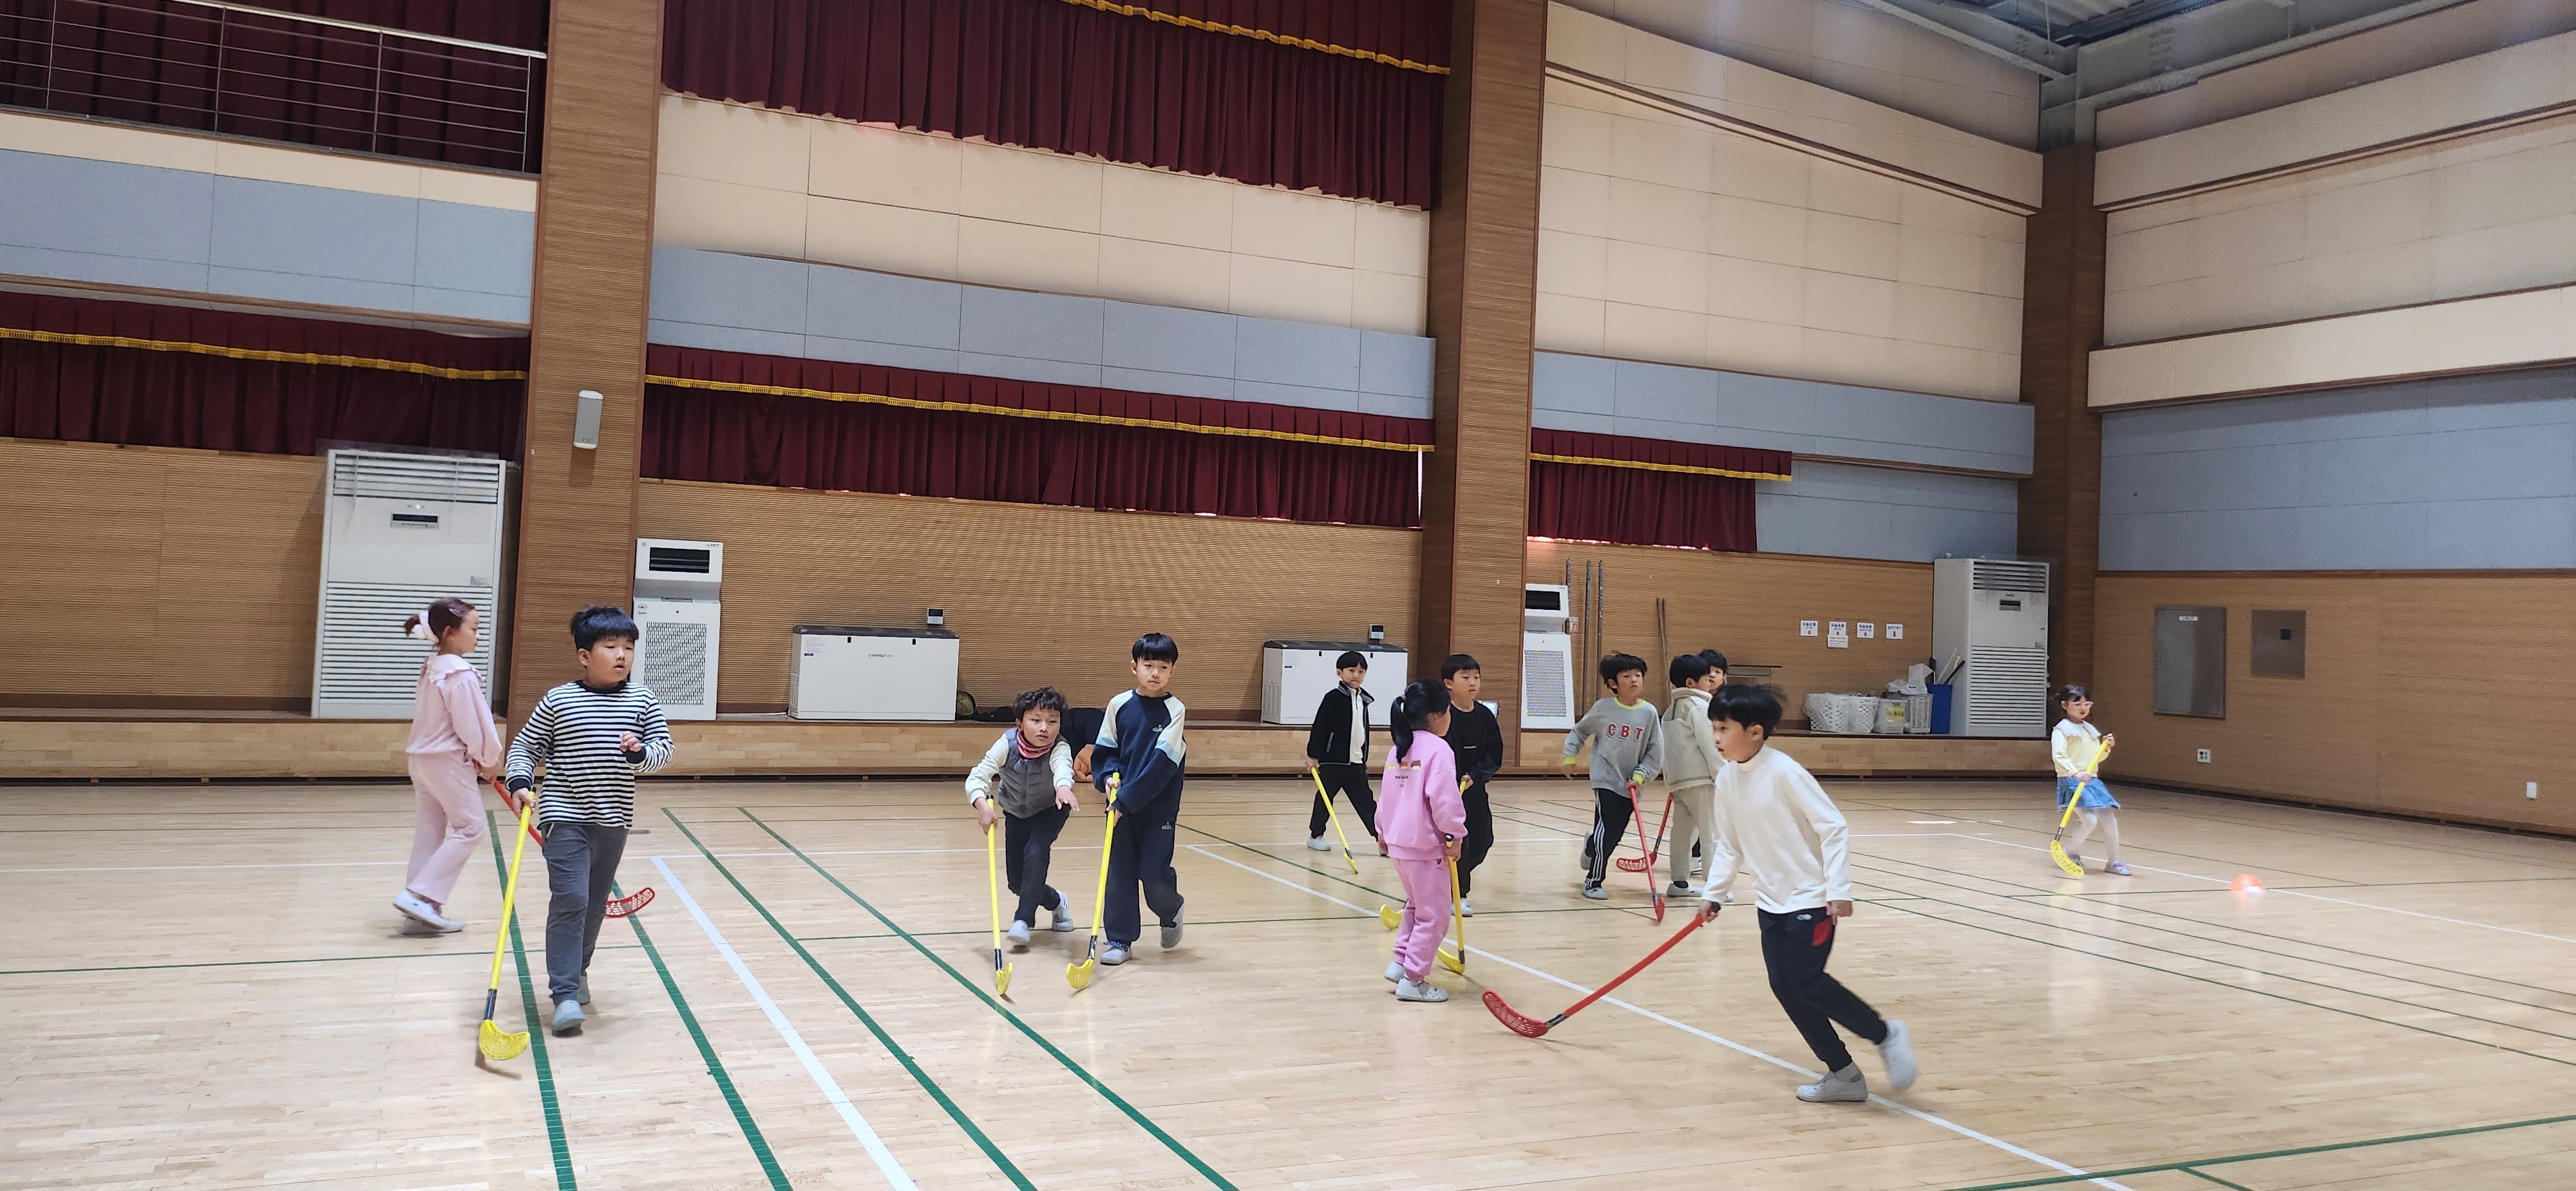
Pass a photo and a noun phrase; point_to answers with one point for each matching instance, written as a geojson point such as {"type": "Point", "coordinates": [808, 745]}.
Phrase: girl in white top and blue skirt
{"type": "Point", "coordinates": [2077, 746]}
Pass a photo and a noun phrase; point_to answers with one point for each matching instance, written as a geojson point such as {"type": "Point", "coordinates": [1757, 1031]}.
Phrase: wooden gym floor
{"type": "Point", "coordinates": [207, 988]}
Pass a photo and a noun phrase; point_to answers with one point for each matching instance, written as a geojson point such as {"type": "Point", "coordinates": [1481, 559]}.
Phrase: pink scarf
{"type": "Point", "coordinates": [1022, 743]}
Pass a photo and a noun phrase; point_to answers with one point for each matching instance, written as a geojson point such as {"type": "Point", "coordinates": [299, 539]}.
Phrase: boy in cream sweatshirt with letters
{"type": "Point", "coordinates": [1690, 766]}
{"type": "Point", "coordinates": [1773, 818]}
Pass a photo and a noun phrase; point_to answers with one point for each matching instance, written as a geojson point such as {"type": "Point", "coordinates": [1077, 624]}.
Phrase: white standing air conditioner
{"type": "Point", "coordinates": [677, 609]}
{"type": "Point", "coordinates": [851, 672]}
{"type": "Point", "coordinates": [397, 532]}
{"type": "Point", "coordinates": [1547, 657]}
{"type": "Point", "coordinates": [1992, 613]}
{"type": "Point", "coordinates": [1295, 675]}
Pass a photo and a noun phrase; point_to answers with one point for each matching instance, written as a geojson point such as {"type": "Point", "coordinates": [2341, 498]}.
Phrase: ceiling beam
{"type": "Point", "coordinates": [1990, 35]}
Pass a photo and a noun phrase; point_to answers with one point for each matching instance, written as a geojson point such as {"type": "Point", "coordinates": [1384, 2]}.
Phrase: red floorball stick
{"type": "Point", "coordinates": [1646, 863]}
{"type": "Point", "coordinates": [1529, 1027]}
{"type": "Point", "coordinates": [1653, 890]}
{"type": "Point", "coordinates": [617, 908]}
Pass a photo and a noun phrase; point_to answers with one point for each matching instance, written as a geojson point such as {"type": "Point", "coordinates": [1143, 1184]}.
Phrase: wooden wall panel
{"type": "Point", "coordinates": [158, 577]}
{"type": "Point", "coordinates": [586, 325]}
{"type": "Point", "coordinates": [2434, 694]}
{"type": "Point", "coordinates": [2061, 502]}
{"type": "Point", "coordinates": [1483, 315]}
{"type": "Point", "coordinates": [1039, 595]}
{"type": "Point", "coordinates": [1748, 606]}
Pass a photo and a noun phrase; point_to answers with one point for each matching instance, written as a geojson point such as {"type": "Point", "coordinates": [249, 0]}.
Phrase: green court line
{"type": "Point", "coordinates": [536, 1027]}
{"type": "Point", "coordinates": [2224, 963]}
{"type": "Point", "coordinates": [2275, 938]}
{"type": "Point", "coordinates": [2203, 1174]}
{"type": "Point", "coordinates": [1142, 1121]}
{"type": "Point", "coordinates": [706, 1051]}
{"type": "Point", "coordinates": [2268, 1155]}
{"type": "Point", "coordinates": [885, 1039]}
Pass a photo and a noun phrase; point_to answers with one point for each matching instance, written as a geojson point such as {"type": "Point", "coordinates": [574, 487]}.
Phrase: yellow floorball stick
{"type": "Point", "coordinates": [1329, 814]}
{"type": "Point", "coordinates": [1079, 975]}
{"type": "Point", "coordinates": [1458, 918]}
{"type": "Point", "coordinates": [2057, 847]}
{"type": "Point", "coordinates": [993, 881]}
{"type": "Point", "coordinates": [490, 1040]}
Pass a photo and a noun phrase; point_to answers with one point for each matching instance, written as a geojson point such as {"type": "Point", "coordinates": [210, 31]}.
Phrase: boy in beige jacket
{"type": "Point", "coordinates": [1690, 769]}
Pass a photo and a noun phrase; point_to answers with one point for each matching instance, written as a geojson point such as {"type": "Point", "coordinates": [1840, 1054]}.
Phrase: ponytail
{"type": "Point", "coordinates": [443, 614]}
{"type": "Point", "coordinates": [1412, 713]}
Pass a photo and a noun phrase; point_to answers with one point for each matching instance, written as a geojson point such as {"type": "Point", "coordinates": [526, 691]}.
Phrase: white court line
{"type": "Point", "coordinates": [796, 1042]}
{"type": "Point", "coordinates": [1651, 1015]}
{"type": "Point", "coordinates": [2511, 930]}
{"type": "Point", "coordinates": [182, 868]}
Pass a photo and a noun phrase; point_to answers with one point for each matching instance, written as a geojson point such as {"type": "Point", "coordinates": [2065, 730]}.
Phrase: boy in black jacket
{"type": "Point", "coordinates": [1477, 739]}
{"type": "Point", "coordinates": [1337, 747]}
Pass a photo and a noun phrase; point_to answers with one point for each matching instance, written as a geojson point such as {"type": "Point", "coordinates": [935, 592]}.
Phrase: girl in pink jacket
{"type": "Point", "coordinates": [453, 743]}
{"type": "Point", "coordinates": [1420, 818]}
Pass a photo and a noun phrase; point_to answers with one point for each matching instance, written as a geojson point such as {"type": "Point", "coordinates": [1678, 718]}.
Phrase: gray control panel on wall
{"type": "Point", "coordinates": [2280, 643]}
{"type": "Point", "coordinates": [2191, 662]}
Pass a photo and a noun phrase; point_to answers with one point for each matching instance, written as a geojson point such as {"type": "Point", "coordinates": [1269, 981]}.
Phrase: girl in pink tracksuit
{"type": "Point", "coordinates": [1420, 819]}
{"type": "Point", "coordinates": [453, 743]}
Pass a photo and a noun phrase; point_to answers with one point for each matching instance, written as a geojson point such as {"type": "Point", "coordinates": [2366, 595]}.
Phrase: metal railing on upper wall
{"type": "Point", "coordinates": [256, 72]}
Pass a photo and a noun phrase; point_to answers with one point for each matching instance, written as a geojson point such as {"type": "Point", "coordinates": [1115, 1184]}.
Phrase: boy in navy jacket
{"type": "Point", "coordinates": [1140, 745]}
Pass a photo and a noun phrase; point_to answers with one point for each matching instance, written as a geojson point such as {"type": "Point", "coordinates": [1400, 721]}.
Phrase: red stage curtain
{"type": "Point", "coordinates": [1038, 444]}
{"type": "Point", "coordinates": [1646, 492]}
{"type": "Point", "coordinates": [1050, 74]}
{"type": "Point", "coordinates": [157, 62]}
{"type": "Point", "coordinates": [62, 378]}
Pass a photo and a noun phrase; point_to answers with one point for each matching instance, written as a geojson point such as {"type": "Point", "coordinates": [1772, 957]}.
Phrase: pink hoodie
{"type": "Point", "coordinates": [449, 713]}
{"type": "Point", "coordinates": [1419, 802]}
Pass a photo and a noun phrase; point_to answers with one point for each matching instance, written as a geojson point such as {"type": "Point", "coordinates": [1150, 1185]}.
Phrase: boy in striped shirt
{"type": "Point", "coordinates": [593, 736]}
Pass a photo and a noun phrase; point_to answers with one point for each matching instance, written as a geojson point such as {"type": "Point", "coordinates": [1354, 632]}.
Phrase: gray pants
{"type": "Point", "coordinates": [581, 863]}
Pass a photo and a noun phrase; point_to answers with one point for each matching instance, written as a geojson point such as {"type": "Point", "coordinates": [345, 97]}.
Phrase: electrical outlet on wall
{"type": "Point", "coordinates": [2531, 789]}
{"type": "Point", "coordinates": [2204, 756]}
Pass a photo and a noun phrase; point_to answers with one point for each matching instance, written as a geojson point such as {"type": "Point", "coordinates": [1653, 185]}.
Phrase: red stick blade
{"type": "Point", "coordinates": [1632, 864]}
{"type": "Point", "coordinates": [1513, 1019]}
{"type": "Point", "coordinates": [630, 903]}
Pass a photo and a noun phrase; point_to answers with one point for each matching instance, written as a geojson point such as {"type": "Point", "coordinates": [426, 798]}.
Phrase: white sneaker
{"type": "Point", "coordinates": [1062, 914]}
{"type": "Point", "coordinates": [1395, 970]}
{"type": "Point", "coordinates": [1847, 1086]}
{"type": "Point", "coordinates": [1466, 909]}
{"type": "Point", "coordinates": [418, 909]}
{"type": "Point", "coordinates": [1898, 1053]}
{"type": "Point", "coordinates": [1171, 933]}
{"type": "Point", "coordinates": [1317, 843]}
{"type": "Point", "coordinates": [1114, 954]}
{"type": "Point", "coordinates": [1019, 932]}
{"type": "Point", "coordinates": [1415, 990]}
{"type": "Point", "coordinates": [567, 1018]}
{"type": "Point", "coordinates": [1593, 890]}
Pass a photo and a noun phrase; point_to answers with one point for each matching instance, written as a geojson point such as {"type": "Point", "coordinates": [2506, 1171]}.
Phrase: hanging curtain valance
{"type": "Point", "coordinates": [732, 417]}
{"type": "Point", "coordinates": [1654, 454]}
{"type": "Point", "coordinates": [1224, 88]}
{"type": "Point", "coordinates": [1646, 492]}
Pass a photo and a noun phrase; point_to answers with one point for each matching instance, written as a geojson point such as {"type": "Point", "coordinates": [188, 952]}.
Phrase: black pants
{"type": "Point", "coordinates": [1480, 835]}
{"type": "Point", "coordinates": [1795, 946]}
{"type": "Point", "coordinates": [1027, 845]}
{"type": "Point", "coordinates": [1350, 781]}
{"type": "Point", "coordinates": [1609, 821]}
{"type": "Point", "coordinates": [1140, 855]}
{"type": "Point", "coordinates": [581, 863]}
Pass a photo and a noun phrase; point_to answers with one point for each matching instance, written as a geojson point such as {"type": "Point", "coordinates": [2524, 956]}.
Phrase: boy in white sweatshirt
{"type": "Point", "coordinates": [1771, 816]}
{"type": "Point", "coordinates": [1690, 766]}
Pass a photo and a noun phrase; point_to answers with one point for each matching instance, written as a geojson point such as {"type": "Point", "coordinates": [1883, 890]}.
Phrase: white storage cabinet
{"type": "Point", "coordinates": [857, 672]}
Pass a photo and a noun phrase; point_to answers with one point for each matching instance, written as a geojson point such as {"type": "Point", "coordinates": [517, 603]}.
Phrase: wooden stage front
{"type": "Point", "coordinates": [127, 747]}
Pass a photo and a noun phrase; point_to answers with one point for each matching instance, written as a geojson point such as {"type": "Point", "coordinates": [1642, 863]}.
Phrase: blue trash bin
{"type": "Point", "coordinates": [1940, 708]}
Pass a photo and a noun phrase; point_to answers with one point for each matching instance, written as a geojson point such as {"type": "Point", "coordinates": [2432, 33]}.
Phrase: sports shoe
{"type": "Point", "coordinates": [1847, 1086]}
{"type": "Point", "coordinates": [1317, 843]}
{"type": "Point", "coordinates": [2117, 869]}
{"type": "Point", "coordinates": [1061, 917]}
{"type": "Point", "coordinates": [1587, 857]}
{"type": "Point", "coordinates": [1172, 932]}
{"type": "Point", "coordinates": [1019, 932]}
{"type": "Point", "coordinates": [1680, 889]}
{"type": "Point", "coordinates": [418, 909]}
{"type": "Point", "coordinates": [1466, 909]}
{"type": "Point", "coordinates": [567, 1018]}
{"type": "Point", "coordinates": [1114, 954]}
{"type": "Point", "coordinates": [582, 993]}
{"type": "Point", "coordinates": [1394, 970]}
{"type": "Point", "coordinates": [1592, 889]}
{"type": "Point", "coordinates": [1414, 990]}
{"type": "Point", "coordinates": [1898, 1053]}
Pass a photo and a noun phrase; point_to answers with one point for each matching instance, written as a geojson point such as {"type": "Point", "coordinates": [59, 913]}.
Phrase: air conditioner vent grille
{"type": "Point", "coordinates": [416, 477]}
{"type": "Point", "coordinates": [366, 658]}
{"type": "Point", "coordinates": [1547, 683]}
{"type": "Point", "coordinates": [1989, 574]}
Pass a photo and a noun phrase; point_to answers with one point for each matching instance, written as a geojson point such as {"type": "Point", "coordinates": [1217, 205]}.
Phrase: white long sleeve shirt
{"type": "Point", "coordinates": [2076, 748]}
{"type": "Point", "coordinates": [1773, 819]}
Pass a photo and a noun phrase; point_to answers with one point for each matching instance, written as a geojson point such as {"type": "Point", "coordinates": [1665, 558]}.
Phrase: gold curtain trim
{"type": "Point", "coordinates": [1044, 414]}
{"type": "Point", "coordinates": [1139, 10]}
{"type": "Point", "coordinates": [1683, 469]}
{"type": "Point", "coordinates": [246, 353]}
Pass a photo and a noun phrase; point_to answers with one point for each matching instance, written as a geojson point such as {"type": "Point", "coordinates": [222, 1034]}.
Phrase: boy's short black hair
{"type": "Point", "coordinates": [1620, 663]}
{"type": "Point", "coordinates": [1716, 661]}
{"type": "Point", "coordinates": [1350, 658]}
{"type": "Point", "coordinates": [1750, 704]}
{"type": "Point", "coordinates": [1451, 666]}
{"type": "Point", "coordinates": [595, 624]}
{"type": "Point", "coordinates": [1689, 668]}
{"type": "Point", "coordinates": [1045, 698]}
{"type": "Point", "coordinates": [1155, 647]}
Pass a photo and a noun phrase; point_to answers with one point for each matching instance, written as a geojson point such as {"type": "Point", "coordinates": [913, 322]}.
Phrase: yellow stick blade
{"type": "Point", "coordinates": [1453, 963]}
{"type": "Point", "coordinates": [497, 1045]}
{"type": "Point", "coordinates": [1078, 975]}
{"type": "Point", "coordinates": [1002, 981]}
{"type": "Point", "coordinates": [2057, 852]}
{"type": "Point", "coordinates": [1388, 917]}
